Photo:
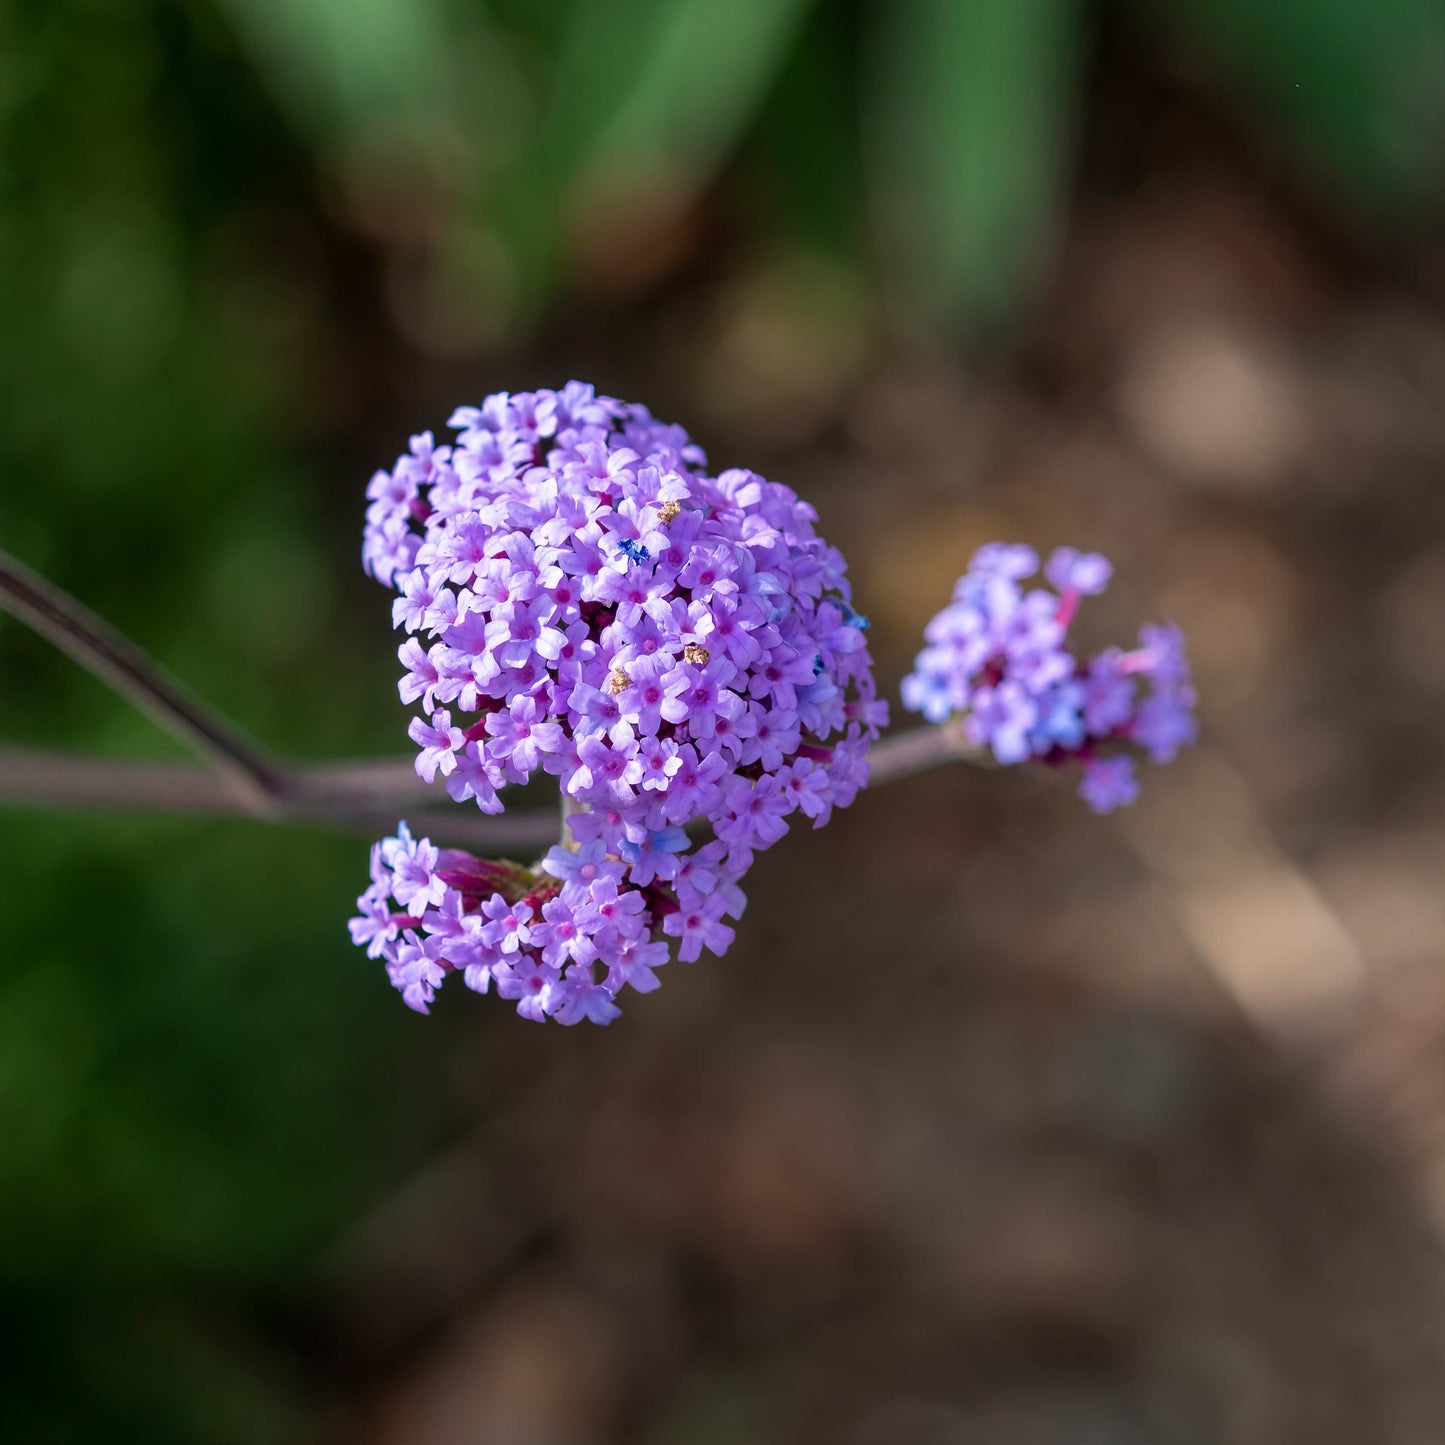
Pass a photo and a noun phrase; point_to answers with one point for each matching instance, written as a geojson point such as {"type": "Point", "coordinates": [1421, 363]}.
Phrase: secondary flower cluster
{"type": "Point", "coordinates": [997, 658]}
{"type": "Point", "coordinates": [675, 648]}
{"type": "Point", "coordinates": [540, 933]}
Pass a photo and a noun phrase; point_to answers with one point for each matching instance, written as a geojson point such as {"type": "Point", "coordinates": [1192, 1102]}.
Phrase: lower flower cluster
{"type": "Point", "coordinates": [997, 660]}
{"type": "Point", "coordinates": [561, 940]}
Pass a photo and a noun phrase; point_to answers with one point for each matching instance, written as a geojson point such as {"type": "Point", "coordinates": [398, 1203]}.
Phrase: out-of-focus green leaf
{"type": "Point", "coordinates": [655, 91]}
{"type": "Point", "coordinates": [807, 141]}
{"type": "Point", "coordinates": [645, 99]}
{"type": "Point", "coordinates": [1359, 83]}
{"type": "Point", "coordinates": [967, 147]}
{"type": "Point", "coordinates": [340, 65]}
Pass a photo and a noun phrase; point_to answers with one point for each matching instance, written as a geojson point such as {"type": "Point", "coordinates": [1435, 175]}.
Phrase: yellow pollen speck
{"type": "Point", "coordinates": [668, 510]}
{"type": "Point", "coordinates": [698, 656]}
{"type": "Point", "coordinates": [618, 681]}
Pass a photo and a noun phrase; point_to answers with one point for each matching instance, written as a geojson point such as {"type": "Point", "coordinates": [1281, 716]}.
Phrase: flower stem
{"type": "Point", "coordinates": [340, 796]}
{"type": "Point", "coordinates": [367, 795]}
{"type": "Point", "coordinates": [130, 671]}
{"type": "Point", "coordinates": [570, 808]}
{"type": "Point", "coordinates": [918, 749]}
{"type": "Point", "coordinates": [243, 780]}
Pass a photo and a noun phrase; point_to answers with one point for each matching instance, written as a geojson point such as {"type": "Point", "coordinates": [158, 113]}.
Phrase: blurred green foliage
{"type": "Point", "coordinates": [566, 131]}
{"type": "Point", "coordinates": [198, 1077]}
{"type": "Point", "coordinates": [1357, 89]}
{"type": "Point", "coordinates": [973, 105]}
{"type": "Point", "coordinates": [200, 1082]}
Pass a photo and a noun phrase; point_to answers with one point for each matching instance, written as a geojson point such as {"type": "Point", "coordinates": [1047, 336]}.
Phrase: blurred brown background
{"type": "Point", "coordinates": [1001, 1124]}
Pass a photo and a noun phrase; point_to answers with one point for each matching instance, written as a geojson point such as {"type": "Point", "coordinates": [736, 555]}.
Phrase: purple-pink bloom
{"type": "Point", "coordinates": [521, 734]}
{"type": "Point", "coordinates": [654, 856]}
{"type": "Point", "coordinates": [529, 983]}
{"type": "Point", "coordinates": [476, 777]}
{"type": "Point", "coordinates": [438, 742]}
{"type": "Point", "coordinates": [1109, 783]}
{"type": "Point", "coordinates": [611, 911]}
{"type": "Point", "coordinates": [1086, 573]}
{"type": "Point", "coordinates": [416, 973]}
{"type": "Point", "coordinates": [805, 785]}
{"type": "Point", "coordinates": [759, 811]}
{"type": "Point", "coordinates": [694, 787]}
{"type": "Point", "coordinates": [376, 927]}
{"type": "Point", "coordinates": [1001, 719]}
{"type": "Point", "coordinates": [559, 935]}
{"type": "Point", "coordinates": [583, 599]}
{"type": "Point", "coordinates": [579, 996]}
{"type": "Point", "coordinates": [414, 881]}
{"type": "Point", "coordinates": [1164, 724]}
{"type": "Point", "coordinates": [633, 967]}
{"type": "Point", "coordinates": [508, 924]}
{"type": "Point", "coordinates": [699, 927]}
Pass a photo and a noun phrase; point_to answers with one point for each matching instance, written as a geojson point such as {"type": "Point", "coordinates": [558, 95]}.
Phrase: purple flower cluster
{"type": "Point", "coordinates": [997, 659]}
{"type": "Point", "coordinates": [584, 600]}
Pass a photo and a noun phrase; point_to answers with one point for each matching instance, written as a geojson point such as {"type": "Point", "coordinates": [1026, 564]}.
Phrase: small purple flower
{"type": "Point", "coordinates": [775, 738]}
{"type": "Point", "coordinates": [601, 765]}
{"type": "Point", "coordinates": [522, 734]}
{"type": "Point", "coordinates": [1009, 560]}
{"type": "Point", "coordinates": [377, 927]}
{"type": "Point", "coordinates": [654, 856]}
{"type": "Point", "coordinates": [559, 935]}
{"type": "Point", "coordinates": [1162, 656]}
{"type": "Point", "coordinates": [417, 973]}
{"type": "Point", "coordinates": [438, 743]}
{"type": "Point", "coordinates": [1108, 694]}
{"type": "Point", "coordinates": [805, 785]}
{"type": "Point", "coordinates": [659, 761]}
{"type": "Point", "coordinates": [476, 777]}
{"type": "Point", "coordinates": [699, 927]}
{"type": "Point", "coordinates": [1164, 724]}
{"type": "Point", "coordinates": [414, 880]}
{"type": "Point", "coordinates": [410, 609]}
{"type": "Point", "coordinates": [1109, 783]}
{"type": "Point", "coordinates": [582, 865]}
{"type": "Point", "coordinates": [926, 690]}
{"type": "Point", "coordinates": [614, 912]}
{"type": "Point", "coordinates": [1086, 573]}
{"type": "Point", "coordinates": [508, 924]}
{"type": "Point", "coordinates": [694, 790]}
{"type": "Point", "coordinates": [1060, 723]}
{"type": "Point", "coordinates": [421, 677]}
{"type": "Point", "coordinates": [651, 683]}
{"type": "Point", "coordinates": [778, 677]}
{"type": "Point", "coordinates": [726, 626]}
{"type": "Point", "coordinates": [634, 966]}
{"type": "Point", "coordinates": [579, 996]}
{"type": "Point", "coordinates": [530, 983]}
{"type": "Point", "coordinates": [759, 808]}
{"type": "Point", "coordinates": [459, 932]}
{"type": "Point", "coordinates": [1002, 717]}
{"type": "Point", "coordinates": [733, 723]}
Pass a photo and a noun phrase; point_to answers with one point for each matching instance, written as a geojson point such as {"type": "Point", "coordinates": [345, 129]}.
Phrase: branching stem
{"type": "Point", "coordinates": [902, 754]}
{"type": "Point", "coordinates": [130, 671]}
{"type": "Point", "coordinates": [242, 780]}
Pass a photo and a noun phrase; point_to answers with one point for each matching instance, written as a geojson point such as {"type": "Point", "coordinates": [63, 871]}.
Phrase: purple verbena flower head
{"type": "Point", "coordinates": [584, 599]}
{"type": "Point", "coordinates": [997, 659]}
